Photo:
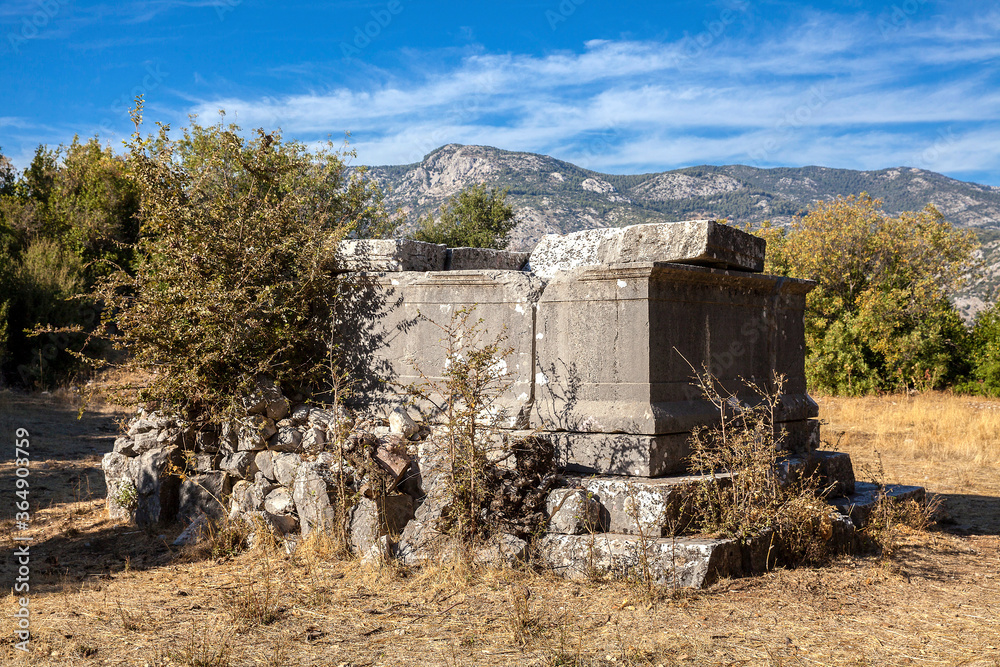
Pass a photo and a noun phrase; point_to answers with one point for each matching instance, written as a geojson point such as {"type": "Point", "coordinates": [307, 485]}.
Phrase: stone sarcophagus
{"type": "Point", "coordinates": [407, 341]}
{"type": "Point", "coordinates": [618, 347]}
{"type": "Point", "coordinates": [608, 329]}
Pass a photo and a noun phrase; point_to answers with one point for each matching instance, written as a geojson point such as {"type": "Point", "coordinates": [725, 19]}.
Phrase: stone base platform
{"type": "Point", "coordinates": [653, 506]}
{"type": "Point", "coordinates": [688, 563]}
{"type": "Point", "coordinates": [859, 505]}
{"type": "Point", "coordinates": [651, 455]}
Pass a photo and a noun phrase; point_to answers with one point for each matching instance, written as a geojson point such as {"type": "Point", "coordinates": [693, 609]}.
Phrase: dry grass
{"type": "Point", "coordinates": [946, 443]}
{"type": "Point", "coordinates": [937, 427]}
{"type": "Point", "coordinates": [129, 599]}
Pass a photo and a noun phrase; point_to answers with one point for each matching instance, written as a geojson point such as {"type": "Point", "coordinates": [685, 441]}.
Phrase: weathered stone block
{"type": "Point", "coordinates": [204, 494]}
{"type": "Point", "coordinates": [617, 346]}
{"type": "Point", "coordinates": [701, 242]}
{"type": "Point", "coordinates": [620, 453]}
{"type": "Point", "coordinates": [279, 501]}
{"type": "Point", "coordinates": [254, 433]}
{"type": "Point", "coordinates": [372, 519]}
{"type": "Point", "coordinates": [401, 423]}
{"type": "Point", "coordinates": [573, 512]}
{"type": "Point", "coordinates": [264, 462]}
{"type": "Point", "coordinates": [287, 439]}
{"type": "Point", "coordinates": [157, 487]}
{"type": "Point", "coordinates": [836, 472]}
{"type": "Point", "coordinates": [833, 470]}
{"type": "Point", "coordinates": [689, 563]}
{"type": "Point", "coordinates": [266, 400]}
{"type": "Point", "coordinates": [248, 497]}
{"type": "Point", "coordinates": [283, 524]}
{"type": "Point", "coordinates": [312, 501]}
{"type": "Point", "coordinates": [205, 462]}
{"type": "Point", "coordinates": [860, 504]}
{"type": "Point", "coordinates": [557, 253]}
{"type": "Point", "coordinates": [420, 540]}
{"type": "Point", "coordinates": [466, 259]}
{"type": "Point", "coordinates": [406, 332]}
{"type": "Point", "coordinates": [634, 506]}
{"type": "Point", "coordinates": [503, 550]}
{"type": "Point", "coordinates": [313, 440]}
{"type": "Point", "coordinates": [121, 488]}
{"type": "Point", "coordinates": [239, 464]}
{"type": "Point", "coordinates": [284, 467]}
{"type": "Point", "coordinates": [143, 442]}
{"type": "Point", "coordinates": [125, 446]}
{"type": "Point", "coordinates": [391, 255]}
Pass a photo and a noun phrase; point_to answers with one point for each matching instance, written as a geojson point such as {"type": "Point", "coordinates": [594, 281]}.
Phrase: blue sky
{"type": "Point", "coordinates": [623, 87]}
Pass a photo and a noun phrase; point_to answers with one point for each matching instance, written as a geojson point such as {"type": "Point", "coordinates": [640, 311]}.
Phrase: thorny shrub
{"type": "Point", "coordinates": [744, 495]}
{"type": "Point", "coordinates": [234, 267]}
{"type": "Point", "coordinates": [486, 498]}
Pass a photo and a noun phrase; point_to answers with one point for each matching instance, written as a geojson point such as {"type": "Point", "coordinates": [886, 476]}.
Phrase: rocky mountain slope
{"type": "Point", "coordinates": [553, 196]}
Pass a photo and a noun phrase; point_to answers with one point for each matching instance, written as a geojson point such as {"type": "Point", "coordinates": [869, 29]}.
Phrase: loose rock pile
{"type": "Point", "coordinates": [292, 468]}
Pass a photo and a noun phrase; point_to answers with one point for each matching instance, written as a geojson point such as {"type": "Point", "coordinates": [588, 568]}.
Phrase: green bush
{"type": "Point", "coordinates": [474, 218]}
{"type": "Point", "coordinates": [880, 318]}
{"type": "Point", "coordinates": [234, 270]}
{"type": "Point", "coordinates": [984, 354]}
{"type": "Point", "coordinates": [46, 278]}
{"type": "Point", "coordinates": [69, 217]}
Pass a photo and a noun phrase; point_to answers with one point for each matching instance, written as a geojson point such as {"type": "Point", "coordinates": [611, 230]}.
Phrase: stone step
{"type": "Point", "coordinates": [651, 455]}
{"type": "Point", "coordinates": [860, 504]}
{"type": "Point", "coordinates": [687, 562]}
{"type": "Point", "coordinates": [635, 505]}
{"type": "Point", "coordinates": [654, 506]}
{"type": "Point", "coordinates": [834, 470]}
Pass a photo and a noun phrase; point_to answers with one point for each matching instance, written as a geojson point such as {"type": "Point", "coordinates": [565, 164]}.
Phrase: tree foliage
{"type": "Point", "coordinates": [984, 354]}
{"type": "Point", "coordinates": [880, 318]}
{"type": "Point", "coordinates": [234, 271]}
{"type": "Point", "coordinates": [474, 218]}
{"type": "Point", "coordinates": [62, 221]}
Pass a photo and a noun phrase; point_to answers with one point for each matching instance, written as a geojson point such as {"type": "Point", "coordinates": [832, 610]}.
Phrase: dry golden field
{"type": "Point", "coordinates": [110, 594]}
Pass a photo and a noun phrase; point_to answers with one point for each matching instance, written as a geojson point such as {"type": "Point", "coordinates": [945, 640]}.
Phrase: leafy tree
{"type": "Point", "coordinates": [984, 354]}
{"type": "Point", "coordinates": [234, 273]}
{"type": "Point", "coordinates": [70, 216]}
{"type": "Point", "coordinates": [474, 218]}
{"type": "Point", "coordinates": [880, 318]}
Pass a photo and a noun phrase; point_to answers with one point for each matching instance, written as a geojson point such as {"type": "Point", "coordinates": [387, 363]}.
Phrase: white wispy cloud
{"type": "Point", "coordinates": [862, 91]}
{"type": "Point", "coordinates": [828, 88]}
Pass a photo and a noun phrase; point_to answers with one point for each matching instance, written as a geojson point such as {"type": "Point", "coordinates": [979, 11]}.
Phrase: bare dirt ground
{"type": "Point", "coordinates": [105, 593]}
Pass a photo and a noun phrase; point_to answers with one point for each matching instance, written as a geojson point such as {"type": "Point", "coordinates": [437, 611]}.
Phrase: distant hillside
{"type": "Point", "coordinates": [552, 196]}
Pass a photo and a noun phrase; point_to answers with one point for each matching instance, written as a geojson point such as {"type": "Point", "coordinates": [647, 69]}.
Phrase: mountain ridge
{"type": "Point", "coordinates": [559, 197]}
{"type": "Point", "coordinates": [554, 196]}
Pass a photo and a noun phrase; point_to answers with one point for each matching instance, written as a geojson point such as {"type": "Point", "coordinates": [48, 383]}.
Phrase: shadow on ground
{"type": "Point", "coordinates": [967, 514]}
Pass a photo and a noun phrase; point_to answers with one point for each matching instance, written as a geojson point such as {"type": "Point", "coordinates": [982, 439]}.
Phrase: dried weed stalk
{"type": "Point", "coordinates": [743, 495]}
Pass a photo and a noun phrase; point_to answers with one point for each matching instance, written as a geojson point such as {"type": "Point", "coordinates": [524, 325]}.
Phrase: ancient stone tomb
{"type": "Point", "coordinates": [607, 327]}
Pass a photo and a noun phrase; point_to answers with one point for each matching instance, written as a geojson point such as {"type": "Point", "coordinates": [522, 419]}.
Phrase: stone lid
{"type": "Point", "coordinates": [700, 242]}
